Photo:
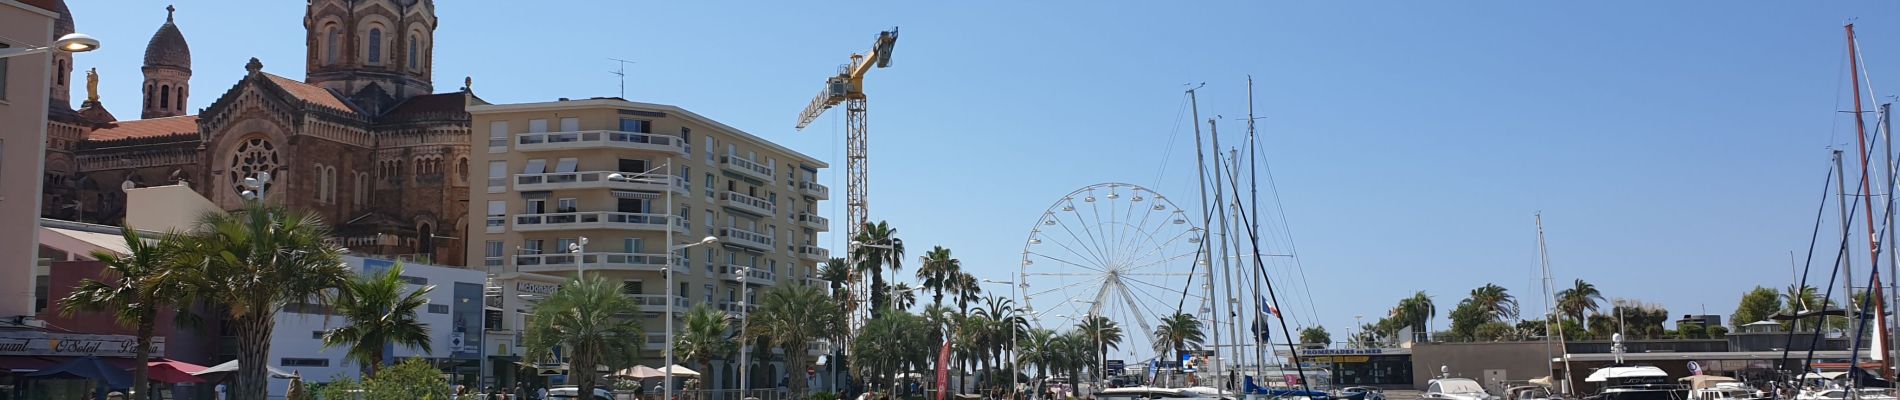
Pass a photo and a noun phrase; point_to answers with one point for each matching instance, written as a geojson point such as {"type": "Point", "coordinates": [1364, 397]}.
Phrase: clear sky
{"type": "Point", "coordinates": [1676, 149]}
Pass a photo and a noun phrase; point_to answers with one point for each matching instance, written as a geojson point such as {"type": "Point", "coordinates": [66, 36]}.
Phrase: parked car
{"type": "Point", "coordinates": [1362, 393]}
{"type": "Point", "coordinates": [570, 393]}
{"type": "Point", "coordinates": [1456, 389]}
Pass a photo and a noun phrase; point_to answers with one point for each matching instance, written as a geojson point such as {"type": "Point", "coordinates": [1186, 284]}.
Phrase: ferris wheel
{"type": "Point", "coordinates": [1114, 250]}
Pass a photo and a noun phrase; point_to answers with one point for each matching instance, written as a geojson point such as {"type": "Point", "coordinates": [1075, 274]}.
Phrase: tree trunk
{"type": "Point", "coordinates": [253, 335]}
{"type": "Point", "coordinates": [142, 371]}
{"type": "Point", "coordinates": [581, 367]}
{"type": "Point", "coordinates": [375, 363]}
{"type": "Point", "coordinates": [795, 364]}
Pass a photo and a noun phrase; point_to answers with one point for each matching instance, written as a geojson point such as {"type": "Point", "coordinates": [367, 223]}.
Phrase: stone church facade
{"type": "Point", "coordinates": [362, 140]}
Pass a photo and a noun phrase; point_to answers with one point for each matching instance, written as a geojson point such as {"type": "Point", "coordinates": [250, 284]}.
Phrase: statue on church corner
{"type": "Point", "coordinates": [92, 85]}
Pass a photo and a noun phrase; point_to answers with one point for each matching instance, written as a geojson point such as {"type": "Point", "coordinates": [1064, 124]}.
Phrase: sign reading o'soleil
{"type": "Point", "coordinates": [35, 343]}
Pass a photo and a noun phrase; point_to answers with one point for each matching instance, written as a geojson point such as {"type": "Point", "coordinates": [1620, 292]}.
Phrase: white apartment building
{"type": "Point", "coordinates": [454, 317]}
{"type": "Point", "coordinates": [554, 174]}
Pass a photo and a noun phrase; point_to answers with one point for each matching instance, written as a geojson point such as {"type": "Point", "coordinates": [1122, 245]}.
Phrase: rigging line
{"type": "Point", "coordinates": [1311, 317]}
{"type": "Point", "coordinates": [1275, 298]}
{"type": "Point", "coordinates": [1827, 296]}
{"type": "Point", "coordinates": [1839, 76]}
{"type": "Point", "coordinates": [1273, 187]}
{"type": "Point", "coordinates": [1861, 59]}
{"type": "Point", "coordinates": [1172, 134]}
{"type": "Point", "coordinates": [1078, 239]}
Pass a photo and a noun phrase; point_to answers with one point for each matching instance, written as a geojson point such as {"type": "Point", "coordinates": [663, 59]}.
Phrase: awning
{"type": "Point", "coordinates": [82, 243]}
{"type": "Point", "coordinates": [25, 363]}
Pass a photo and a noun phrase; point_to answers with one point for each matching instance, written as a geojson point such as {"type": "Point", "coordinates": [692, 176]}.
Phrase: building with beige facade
{"type": "Point", "coordinates": [23, 102]}
{"type": "Point", "coordinates": [551, 176]}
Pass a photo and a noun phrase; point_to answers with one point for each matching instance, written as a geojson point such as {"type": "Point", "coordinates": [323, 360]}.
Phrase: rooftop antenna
{"type": "Point", "coordinates": [622, 73]}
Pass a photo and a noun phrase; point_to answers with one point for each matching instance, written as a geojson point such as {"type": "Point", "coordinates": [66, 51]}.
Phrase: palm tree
{"type": "Point", "coordinates": [1496, 301]}
{"type": "Point", "coordinates": [379, 315]}
{"type": "Point", "coordinates": [1416, 311]}
{"type": "Point", "coordinates": [968, 290]}
{"type": "Point", "coordinates": [938, 271]}
{"type": "Point", "coordinates": [1804, 299]}
{"type": "Point", "coordinates": [1177, 333]}
{"type": "Point", "coordinates": [1102, 334]}
{"type": "Point", "coordinates": [791, 316]}
{"type": "Point", "coordinates": [255, 262]}
{"type": "Point", "coordinates": [1036, 349]}
{"type": "Point", "coordinates": [1071, 355]}
{"type": "Point", "coordinates": [704, 336]}
{"type": "Point", "coordinates": [1579, 298]}
{"type": "Point", "coordinates": [143, 281]}
{"type": "Point", "coordinates": [891, 345]}
{"type": "Point", "coordinates": [879, 247]}
{"type": "Point", "coordinates": [1005, 321]}
{"type": "Point", "coordinates": [592, 322]}
{"type": "Point", "coordinates": [902, 296]}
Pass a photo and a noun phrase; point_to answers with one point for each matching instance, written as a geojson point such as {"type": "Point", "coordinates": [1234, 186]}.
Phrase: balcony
{"type": "Point", "coordinates": [657, 302]}
{"type": "Point", "coordinates": [814, 190]}
{"type": "Point", "coordinates": [814, 280]}
{"type": "Point", "coordinates": [814, 253]}
{"type": "Point", "coordinates": [749, 168]}
{"type": "Point", "coordinates": [747, 204]}
{"type": "Point", "coordinates": [753, 276]}
{"type": "Point", "coordinates": [601, 180]}
{"type": "Point", "coordinates": [597, 220]}
{"type": "Point", "coordinates": [814, 222]}
{"type": "Point", "coordinates": [745, 238]}
{"type": "Point", "coordinates": [656, 341]}
{"type": "Point", "coordinates": [564, 262]}
{"type": "Point", "coordinates": [733, 307]}
{"type": "Point", "coordinates": [583, 140]}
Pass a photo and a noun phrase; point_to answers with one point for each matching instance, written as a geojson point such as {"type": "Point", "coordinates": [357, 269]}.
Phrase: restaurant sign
{"type": "Point", "coordinates": [36, 343]}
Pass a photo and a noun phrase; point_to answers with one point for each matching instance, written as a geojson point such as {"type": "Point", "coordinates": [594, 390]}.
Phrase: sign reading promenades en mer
{"type": "Point", "coordinates": [40, 343]}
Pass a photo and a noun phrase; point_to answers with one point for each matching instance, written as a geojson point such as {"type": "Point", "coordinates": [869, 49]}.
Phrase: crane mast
{"type": "Point", "coordinates": [847, 87]}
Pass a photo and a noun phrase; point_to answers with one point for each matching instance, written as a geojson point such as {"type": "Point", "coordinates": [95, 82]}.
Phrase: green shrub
{"type": "Point", "coordinates": [822, 396]}
{"type": "Point", "coordinates": [414, 379]}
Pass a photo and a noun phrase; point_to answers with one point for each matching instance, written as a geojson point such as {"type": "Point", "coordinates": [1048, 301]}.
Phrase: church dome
{"type": "Point", "coordinates": [168, 47]}
{"type": "Point", "coordinates": [64, 26]}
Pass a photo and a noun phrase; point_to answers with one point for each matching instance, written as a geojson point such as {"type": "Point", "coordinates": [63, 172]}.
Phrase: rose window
{"type": "Point", "coordinates": [253, 156]}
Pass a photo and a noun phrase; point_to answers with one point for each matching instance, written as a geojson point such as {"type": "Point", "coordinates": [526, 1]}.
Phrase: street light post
{"type": "Point", "coordinates": [745, 344]}
{"type": "Point", "coordinates": [671, 250]}
{"type": "Point", "coordinates": [71, 43]}
{"type": "Point", "coordinates": [576, 249]}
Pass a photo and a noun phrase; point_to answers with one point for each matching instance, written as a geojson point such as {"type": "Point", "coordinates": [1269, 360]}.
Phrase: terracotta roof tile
{"type": "Point", "coordinates": [310, 93]}
{"type": "Point", "coordinates": [146, 128]}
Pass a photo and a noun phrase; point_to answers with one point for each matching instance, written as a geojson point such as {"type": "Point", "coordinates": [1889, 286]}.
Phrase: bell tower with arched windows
{"type": "Point", "coordinates": [376, 52]}
{"type": "Point", "coordinates": [167, 71]}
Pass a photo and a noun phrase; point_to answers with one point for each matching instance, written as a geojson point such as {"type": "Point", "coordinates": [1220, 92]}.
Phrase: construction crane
{"type": "Point", "coordinates": [847, 87]}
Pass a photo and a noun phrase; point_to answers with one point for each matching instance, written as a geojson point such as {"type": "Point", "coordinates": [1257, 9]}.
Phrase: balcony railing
{"type": "Point", "coordinates": [557, 262]}
{"type": "Point", "coordinates": [747, 167]}
{"type": "Point", "coordinates": [657, 302]}
{"type": "Point", "coordinates": [814, 253]}
{"type": "Point", "coordinates": [753, 276]}
{"type": "Point", "coordinates": [598, 220]}
{"type": "Point", "coordinates": [733, 307]}
{"type": "Point", "coordinates": [748, 204]}
{"type": "Point", "coordinates": [814, 189]}
{"type": "Point", "coordinates": [814, 221]}
{"type": "Point", "coordinates": [602, 180]}
{"type": "Point", "coordinates": [745, 238]}
{"type": "Point", "coordinates": [599, 140]}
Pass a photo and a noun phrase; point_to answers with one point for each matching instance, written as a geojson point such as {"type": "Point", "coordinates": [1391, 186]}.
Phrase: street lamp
{"type": "Point", "coordinates": [745, 344]}
{"type": "Point", "coordinates": [71, 43]}
{"type": "Point", "coordinates": [1013, 373]}
{"type": "Point", "coordinates": [672, 249]}
{"type": "Point", "coordinates": [254, 186]}
{"type": "Point", "coordinates": [576, 248]}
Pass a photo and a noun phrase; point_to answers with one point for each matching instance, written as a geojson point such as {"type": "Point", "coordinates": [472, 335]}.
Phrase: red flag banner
{"type": "Point", "coordinates": [943, 370]}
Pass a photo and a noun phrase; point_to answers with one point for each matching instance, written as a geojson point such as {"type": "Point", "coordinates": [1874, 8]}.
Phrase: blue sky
{"type": "Point", "coordinates": [1675, 148]}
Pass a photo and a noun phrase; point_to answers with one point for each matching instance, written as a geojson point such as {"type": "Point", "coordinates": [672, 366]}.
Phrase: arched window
{"type": "Point", "coordinates": [181, 99]}
{"type": "Point", "coordinates": [165, 97]}
{"type": "Point", "coordinates": [412, 51]}
{"type": "Point", "coordinates": [375, 45]}
{"type": "Point", "coordinates": [60, 72]}
{"type": "Point", "coordinates": [148, 95]}
{"type": "Point", "coordinates": [334, 37]}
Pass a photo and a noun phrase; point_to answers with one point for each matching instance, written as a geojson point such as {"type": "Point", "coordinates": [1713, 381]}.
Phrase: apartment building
{"type": "Point", "coordinates": [596, 176]}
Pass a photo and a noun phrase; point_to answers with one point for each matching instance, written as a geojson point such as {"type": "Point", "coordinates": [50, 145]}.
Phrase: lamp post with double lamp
{"type": "Point", "coordinates": [1013, 372]}
{"type": "Point", "coordinates": [254, 186]}
{"type": "Point", "coordinates": [576, 248]}
{"type": "Point", "coordinates": [745, 343]}
{"type": "Point", "coordinates": [671, 250]}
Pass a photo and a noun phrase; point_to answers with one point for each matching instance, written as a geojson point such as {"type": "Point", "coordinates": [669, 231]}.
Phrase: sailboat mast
{"type": "Point", "coordinates": [1200, 164]}
{"type": "Point", "coordinates": [1893, 258]}
{"type": "Point", "coordinates": [1866, 187]}
{"type": "Point", "coordinates": [1550, 312]}
{"type": "Point", "coordinates": [1233, 303]}
{"type": "Point", "coordinates": [1213, 131]}
{"type": "Point", "coordinates": [1253, 193]}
